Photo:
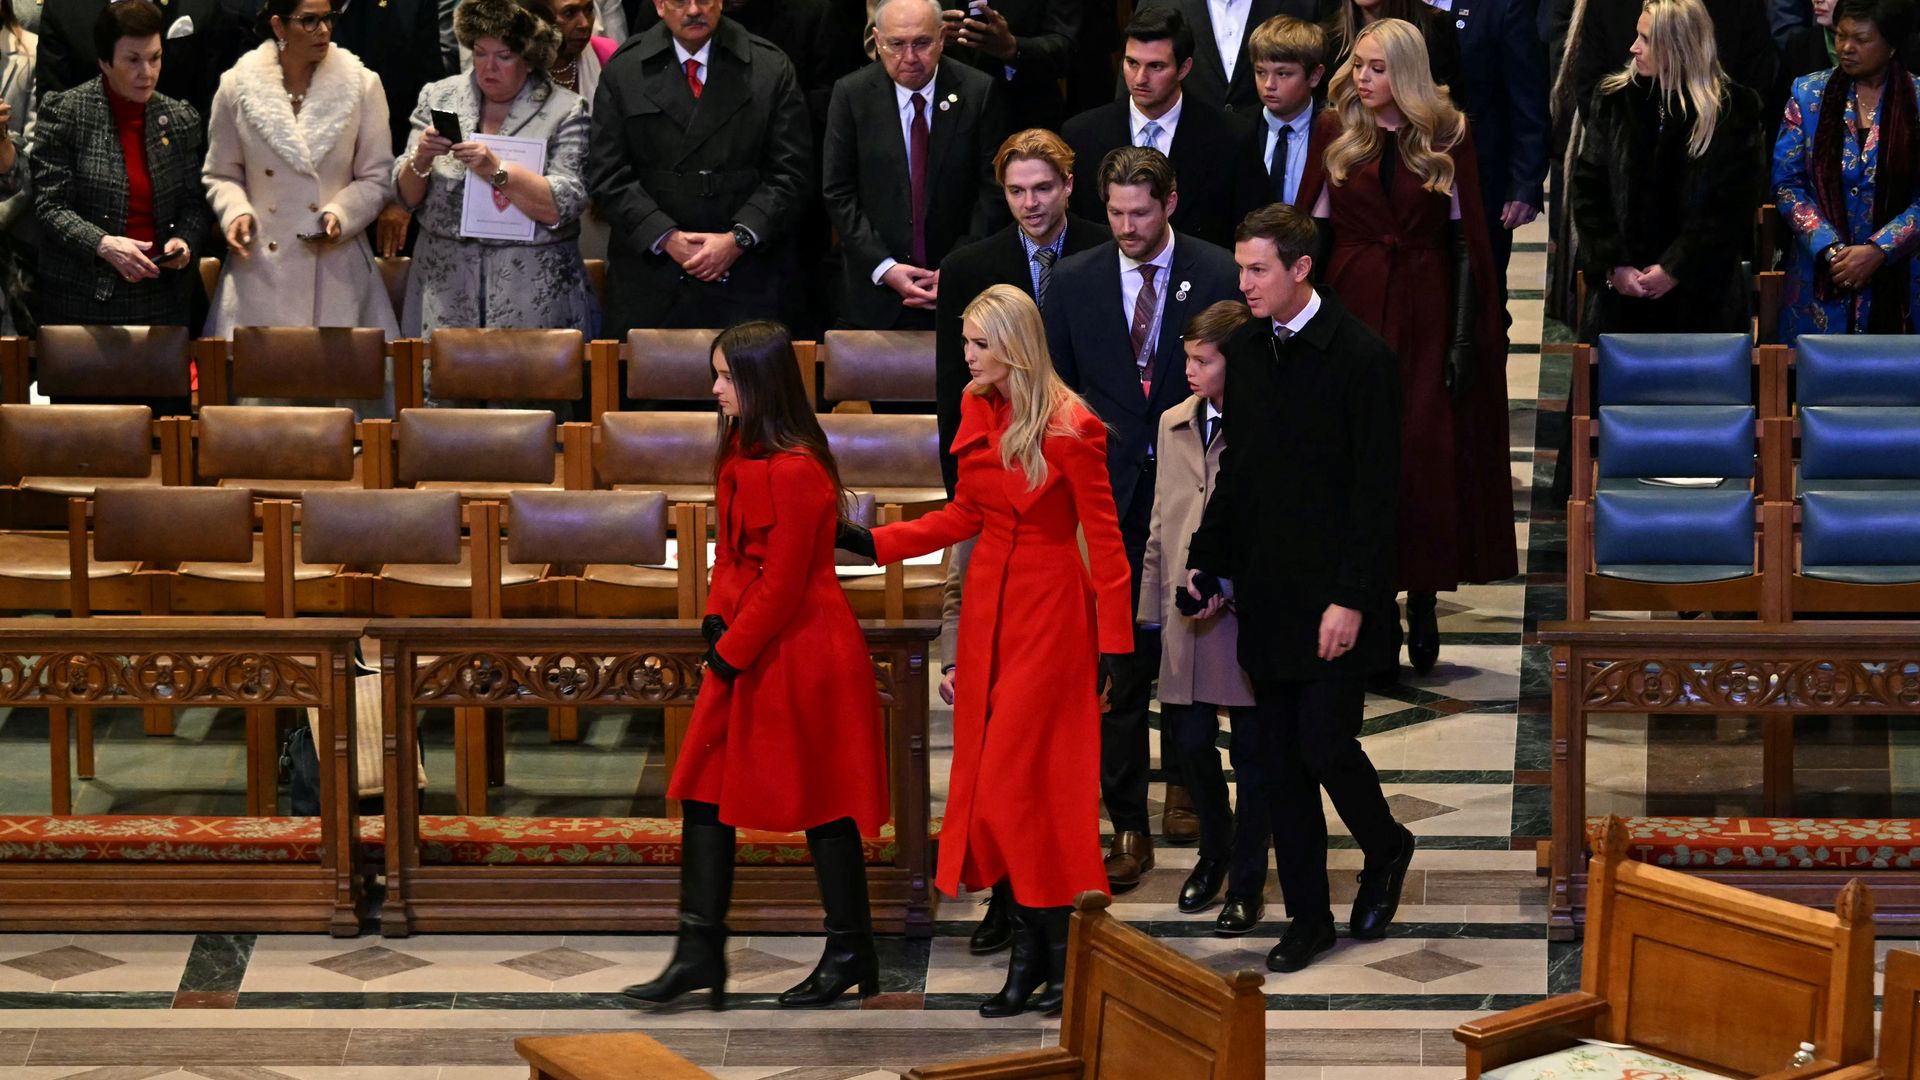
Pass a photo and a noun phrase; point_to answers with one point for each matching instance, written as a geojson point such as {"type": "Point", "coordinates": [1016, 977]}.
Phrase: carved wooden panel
{"type": "Point", "coordinates": [1674, 684]}
{"type": "Point", "coordinates": [160, 678]}
{"type": "Point", "coordinates": [572, 677]}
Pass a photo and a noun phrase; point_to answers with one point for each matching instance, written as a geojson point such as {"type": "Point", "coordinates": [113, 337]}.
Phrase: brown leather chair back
{"type": "Point", "coordinates": [878, 365]}
{"type": "Point", "coordinates": [497, 445]}
{"type": "Point", "coordinates": [884, 450]}
{"type": "Point", "coordinates": [319, 363]}
{"type": "Point", "coordinates": [372, 528]}
{"type": "Point", "coordinates": [597, 278]}
{"type": "Point", "coordinates": [113, 361]}
{"type": "Point", "coordinates": [670, 365]}
{"type": "Point", "coordinates": [75, 440]}
{"type": "Point", "coordinates": [393, 274]}
{"type": "Point", "coordinates": [209, 274]}
{"type": "Point", "coordinates": [468, 364]}
{"type": "Point", "coordinates": [172, 525]}
{"type": "Point", "coordinates": [274, 443]}
{"type": "Point", "coordinates": [580, 527]}
{"type": "Point", "coordinates": [656, 448]}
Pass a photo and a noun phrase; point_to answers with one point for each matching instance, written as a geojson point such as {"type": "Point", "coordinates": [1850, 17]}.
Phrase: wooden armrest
{"type": "Point", "coordinates": [1053, 1063]}
{"type": "Point", "coordinates": [1562, 1010]}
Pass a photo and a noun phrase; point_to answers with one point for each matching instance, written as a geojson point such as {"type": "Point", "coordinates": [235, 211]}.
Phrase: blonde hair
{"type": "Point", "coordinates": [1042, 404]}
{"type": "Point", "coordinates": [1686, 65]}
{"type": "Point", "coordinates": [1433, 125]}
{"type": "Point", "coordinates": [1284, 39]}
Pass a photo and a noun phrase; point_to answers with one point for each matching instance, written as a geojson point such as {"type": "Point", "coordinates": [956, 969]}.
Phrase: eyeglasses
{"type": "Point", "coordinates": [916, 47]}
{"type": "Point", "coordinates": [691, 3]}
{"type": "Point", "coordinates": [312, 23]}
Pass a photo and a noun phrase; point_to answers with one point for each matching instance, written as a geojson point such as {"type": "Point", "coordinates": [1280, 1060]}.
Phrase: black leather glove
{"type": "Point", "coordinates": [711, 628]}
{"type": "Point", "coordinates": [1183, 601]}
{"type": "Point", "coordinates": [857, 538]}
{"type": "Point", "coordinates": [1459, 369]}
{"type": "Point", "coordinates": [718, 664]}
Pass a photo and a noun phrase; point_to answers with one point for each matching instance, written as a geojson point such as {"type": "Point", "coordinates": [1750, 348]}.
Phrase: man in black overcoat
{"type": "Point", "coordinates": [1026, 46]}
{"type": "Point", "coordinates": [700, 158]}
{"type": "Point", "coordinates": [1300, 532]}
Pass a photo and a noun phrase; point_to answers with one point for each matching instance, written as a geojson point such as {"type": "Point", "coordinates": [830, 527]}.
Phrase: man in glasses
{"type": "Point", "coordinates": [908, 169]}
{"type": "Point", "coordinates": [202, 40]}
{"type": "Point", "coordinates": [700, 160]}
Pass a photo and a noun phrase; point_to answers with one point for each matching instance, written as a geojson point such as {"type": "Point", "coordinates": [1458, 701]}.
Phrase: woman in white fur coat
{"type": "Point", "coordinates": [299, 164]}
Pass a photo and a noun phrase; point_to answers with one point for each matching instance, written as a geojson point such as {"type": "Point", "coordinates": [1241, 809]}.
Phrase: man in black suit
{"type": "Point", "coordinates": [700, 159]}
{"type": "Point", "coordinates": [1114, 315]}
{"type": "Point", "coordinates": [1198, 138]}
{"type": "Point", "coordinates": [1222, 77]}
{"type": "Point", "coordinates": [1503, 90]}
{"type": "Point", "coordinates": [822, 45]}
{"type": "Point", "coordinates": [202, 40]}
{"type": "Point", "coordinates": [908, 169]}
{"type": "Point", "coordinates": [1313, 406]}
{"type": "Point", "coordinates": [1026, 46]}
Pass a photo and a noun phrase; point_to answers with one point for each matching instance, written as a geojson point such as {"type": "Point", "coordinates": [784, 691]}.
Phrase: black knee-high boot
{"type": "Point", "coordinates": [1055, 924]}
{"type": "Point", "coordinates": [706, 887]}
{"type": "Point", "coordinates": [1423, 632]}
{"type": "Point", "coordinates": [840, 866]}
{"type": "Point", "coordinates": [1026, 966]}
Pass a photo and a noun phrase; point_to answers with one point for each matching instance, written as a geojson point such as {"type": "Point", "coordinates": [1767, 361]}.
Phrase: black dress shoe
{"type": "Point", "coordinates": [1379, 895]}
{"type": "Point", "coordinates": [1300, 944]}
{"type": "Point", "coordinates": [1239, 915]}
{"type": "Point", "coordinates": [1202, 885]}
{"type": "Point", "coordinates": [995, 931]}
{"type": "Point", "coordinates": [1423, 632]}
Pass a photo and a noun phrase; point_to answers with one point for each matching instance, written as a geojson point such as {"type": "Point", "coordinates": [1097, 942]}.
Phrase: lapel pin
{"type": "Point", "coordinates": [953, 97]}
{"type": "Point", "coordinates": [1181, 293]}
{"type": "Point", "coordinates": [163, 119]}
{"type": "Point", "coordinates": [945, 105]}
{"type": "Point", "coordinates": [164, 141]}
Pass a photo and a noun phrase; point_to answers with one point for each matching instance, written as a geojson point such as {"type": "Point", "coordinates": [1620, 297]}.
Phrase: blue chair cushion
{"type": "Point", "coordinates": [1870, 537]}
{"type": "Point", "coordinates": [1857, 369]}
{"type": "Point", "coordinates": [1859, 443]}
{"type": "Point", "coordinates": [1675, 369]}
{"type": "Point", "coordinates": [1676, 440]}
{"type": "Point", "coordinates": [1708, 531]}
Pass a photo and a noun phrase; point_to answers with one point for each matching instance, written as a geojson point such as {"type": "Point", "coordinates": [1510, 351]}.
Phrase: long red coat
{"type": "Point", "coordinates": [1023, 800]}
{"type": "Point", "coordinates": [1392, 270]}
{"type": "Point", "coordinates": [796, 739]}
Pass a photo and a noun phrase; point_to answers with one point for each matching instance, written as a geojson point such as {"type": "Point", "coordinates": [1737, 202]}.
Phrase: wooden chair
{"type": "Point", "coordinates": [896, 458]}
{"type": "Point", "coordinates": [50, 453]}
{"type": "Point", "coordinates": [474, 366]}
{"type": "Point", "coordinates": [479, 453]}
{"type": "Point", "coordinates": [1700, 974]}
{"type": "Point", "coordinates": [607, 1055]}
{"type": "Point", "coordinates": [1899, 1057]}
{"type": "Point", "coordinates": [114, 363]}
{"type": "Point", "coordinates": [16, 372]}
{"type": "Point", "coordinates": [280, 451]}
{"type": "Point", "coordinates": [861, 367]}
{"type": "Point", "coordinates": [310, 365]}
{"type": "Point", "coordinates": [667, 367]}
{"type": "Point", "coordinates": [1135, 1008]}
{"type": "Point", "coordinates": [668, 452]}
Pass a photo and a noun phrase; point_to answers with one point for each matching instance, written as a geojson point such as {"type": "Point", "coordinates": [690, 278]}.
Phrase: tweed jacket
{"type": "Point", "coordinates": [80, 195]}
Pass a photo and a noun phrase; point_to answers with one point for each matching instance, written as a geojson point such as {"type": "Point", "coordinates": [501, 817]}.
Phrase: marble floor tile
{"type": "Point", "coordinates": [1472, 673]}
{"type": "Point", "coordinates": [62, 962]}
{"type": "Point", "coordinates": [1443, 809]}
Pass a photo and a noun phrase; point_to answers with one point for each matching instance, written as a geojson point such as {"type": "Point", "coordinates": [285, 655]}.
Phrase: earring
{"type": "Point", "coordinates": [280, 43]}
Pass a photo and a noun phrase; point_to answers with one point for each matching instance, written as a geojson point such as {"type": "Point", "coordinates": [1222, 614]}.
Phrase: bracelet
{"type": "Point", "coordinates": [415, 170]}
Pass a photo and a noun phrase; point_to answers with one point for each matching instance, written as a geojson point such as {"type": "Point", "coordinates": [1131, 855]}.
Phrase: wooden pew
{"type": "Point", "coordinates": [1899, 1057]}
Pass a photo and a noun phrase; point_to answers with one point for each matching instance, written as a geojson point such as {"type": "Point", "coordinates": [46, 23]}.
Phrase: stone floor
{"type": "Point", "coordinates": [1463, 752]}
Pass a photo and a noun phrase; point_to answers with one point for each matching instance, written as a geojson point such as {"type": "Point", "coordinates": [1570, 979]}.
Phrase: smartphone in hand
{"type": "Point", "coordinates": [448, 125]}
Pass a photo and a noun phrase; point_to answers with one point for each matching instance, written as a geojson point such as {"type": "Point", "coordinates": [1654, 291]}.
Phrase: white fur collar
{"type": "Point", "coordinates": [332, 101]}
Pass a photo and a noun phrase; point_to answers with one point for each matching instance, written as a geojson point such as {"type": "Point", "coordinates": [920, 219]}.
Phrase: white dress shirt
{"type": "Point", "coordinates": [904, 98]}
{"type": "Point", "coordinates": [1169, 121]}
{"type": "Point", "coordinates": [700, 58]}
{"type": "Point", "coordinates": [1229, 26]}
{"type": "Point", "coordinates": [1131, 279]}
{"type": "Point", "coordinates": [1305, 316]}
{"type": "Point", "coordinates": [1300, 129]}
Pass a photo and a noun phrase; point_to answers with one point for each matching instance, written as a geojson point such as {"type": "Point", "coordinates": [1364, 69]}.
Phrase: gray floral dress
{"type": "Point", "coordinates": [539, 283]}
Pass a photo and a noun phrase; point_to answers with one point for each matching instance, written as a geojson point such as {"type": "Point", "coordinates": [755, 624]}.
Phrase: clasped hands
{"type": "Point", "coordinates": [129, 257]}
{"type": "Point", "coordinates": [917, 288]}
{"type": "Point", "coordinates": [1854, 265]}
{"type": "Point", "coordinates": [704, 256]}
{"type": "Point", "coordinates": [1649, 284]}
{"type": "Point", "coordinates": [1339, 626]}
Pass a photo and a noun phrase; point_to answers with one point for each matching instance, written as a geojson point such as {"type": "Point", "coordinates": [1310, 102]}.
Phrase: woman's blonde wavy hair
{"type": "Point", "coordinates": [1042, 404]}
{"type": "Point", "coordinates": [1433, 125]}
{"type": "Point", "coordinates": [1686, 66]}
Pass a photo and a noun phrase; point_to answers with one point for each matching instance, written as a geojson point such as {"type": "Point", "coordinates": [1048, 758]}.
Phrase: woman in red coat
{"type": "Point", "coordinates": [786, 732]}
{"type": "Point", "coordinates": [1411, 259]}
{"type": "Point", "coordinates": [1026, 713]}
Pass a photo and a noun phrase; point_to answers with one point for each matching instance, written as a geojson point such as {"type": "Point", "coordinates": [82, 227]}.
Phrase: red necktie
{"type": "Point", "coordinates": [693, 78]}
{"type": "Point", "coordinates": [1143, 306]}
{"type": "Point", "coordinates": [917, 167]}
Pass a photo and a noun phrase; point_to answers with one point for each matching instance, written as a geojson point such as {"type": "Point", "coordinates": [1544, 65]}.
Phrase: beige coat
{"type": "Point", "coordinates": [335, 156]}
{"type": "Point", "coordinates": [1197, 659]}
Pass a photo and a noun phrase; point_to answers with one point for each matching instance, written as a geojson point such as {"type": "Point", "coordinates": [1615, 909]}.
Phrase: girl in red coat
{"type": "Point", "coordinates": [1411, 259]}
{"type": "Point", "coordinates": [786, 732]}
{"type": "Point", "coordinates": [1026, 714]}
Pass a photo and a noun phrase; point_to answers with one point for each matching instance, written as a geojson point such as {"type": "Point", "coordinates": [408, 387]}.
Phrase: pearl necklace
{"type": "Point", "coordinates": [572, 77]}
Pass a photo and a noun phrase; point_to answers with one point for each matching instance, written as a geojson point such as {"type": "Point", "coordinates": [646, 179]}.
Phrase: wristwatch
{"type": "Point", "coordinates": [743, 236]}
{"type": "Point", "coordinates": [499, 177]}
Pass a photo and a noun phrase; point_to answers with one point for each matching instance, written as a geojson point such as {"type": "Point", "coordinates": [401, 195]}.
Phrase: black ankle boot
{"type": "Point", "coordinates": [840, 866]}
{"type": "Point", "coordinates": [1026, 966]}
{"type": "Point", "coordinates": [706, 887]}
{"type": "Point", "coordinates": [1055, 922]}
{"type": "Point", "coordinates": [1423, 632]}
{"type": "Point", "coordinates": [995, 931]}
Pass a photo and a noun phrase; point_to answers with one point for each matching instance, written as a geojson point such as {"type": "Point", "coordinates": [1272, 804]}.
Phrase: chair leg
{"type": "Point", "coordinates": [470, 760]}
{"type": "Point", "coordinates": [158, 721]}
{"type": "Point", "coordinates": [1776, 755]}
{"type": "Point", "coordinates": [62, 776]}
{"type": "Point", "coordinates": [263, 772]}
{"type": "Point", "coordinates": [496, 746]}
{"type": "Point", "coordinates": [83, 743]}
{"type": "Point", "coordinates": [563, 725]}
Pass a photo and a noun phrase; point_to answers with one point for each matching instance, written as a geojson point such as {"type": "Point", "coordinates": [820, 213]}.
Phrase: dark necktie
{"type": "Point", "coordinates": [693, 78]}
{"type": "Point", "coordinates": [1143, 306]}
{"type": "Point", "coordinates": [1281, 334]}
{"type": "Point", "coordinates": [1043, 256]}
{"type": "Point", "coordinates": [917, 166]}
{"type": "Point", "coordinates": [1277, 165]}
{"type": "Point", "coordinates": [1211, 430]}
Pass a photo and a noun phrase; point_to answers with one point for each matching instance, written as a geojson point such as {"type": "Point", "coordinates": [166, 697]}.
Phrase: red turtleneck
{"type": "Point", "coordinates": [130, 120]}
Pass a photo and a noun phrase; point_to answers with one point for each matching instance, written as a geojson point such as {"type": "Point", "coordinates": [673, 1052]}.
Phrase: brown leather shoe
{"type": "Point", "coordinates": [1130, 857]}
{"type": "Point", "coordinates": [1179, 823]}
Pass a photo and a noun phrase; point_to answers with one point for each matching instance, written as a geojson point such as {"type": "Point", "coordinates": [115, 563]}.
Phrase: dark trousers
{"type": "Point", "coordinates": [1304, 736]}
{"type": "Point", "coordinates": [1239, 839]}
{"type": "Point", "coordinates": [1125, 757]}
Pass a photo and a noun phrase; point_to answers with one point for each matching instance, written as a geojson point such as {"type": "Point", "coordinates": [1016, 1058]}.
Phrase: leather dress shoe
{"type": "Point", "coordinates": [1239, 915]}
{"type": "Point", "coordinates": [1300, 944]}
{"type": "Point", "coordinates": [1423, 633]}
{"type": "Point", "coordinates": [1129, 859]}
{"type": "Point", "coordinates": [1179, 822]}
{"type": "Point", "coordinates": [1379, 894]}
{"type": "Point", "coordinates": [1202, 885]}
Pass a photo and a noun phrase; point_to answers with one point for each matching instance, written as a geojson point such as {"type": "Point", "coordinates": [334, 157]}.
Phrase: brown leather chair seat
{"type": "Point", "coordinates": [633, 577]}
{"type": "Point", "coordinates": [68, 487]}
{"type": "Point", "coordinates": [693, 493]}
{"type": "Point", "coordinates": [267, 488]}
{"type": "Point", "coordinates": [255, 571]}
{"type": "Point", "coordinates": [457, 575]}
{"type": "Point", "coordinates": [487, 489]}
{"type": "Point", "coordinates": [34, 556]}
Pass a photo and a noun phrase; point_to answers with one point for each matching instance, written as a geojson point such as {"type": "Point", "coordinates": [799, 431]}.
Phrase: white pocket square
{"type": "Point", "coordinates": [182, 27]}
